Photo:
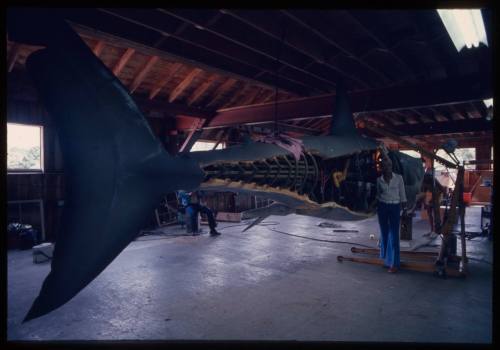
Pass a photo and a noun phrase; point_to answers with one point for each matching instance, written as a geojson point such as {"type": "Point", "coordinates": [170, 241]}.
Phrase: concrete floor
{"type": "Point", "coordinates": [260, 285]}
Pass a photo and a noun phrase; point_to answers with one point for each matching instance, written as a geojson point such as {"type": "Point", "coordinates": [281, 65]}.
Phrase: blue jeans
{"type": "Point", "coordinates": [388, 219]}
{"type": "Point", "coordinates": [194, 208]}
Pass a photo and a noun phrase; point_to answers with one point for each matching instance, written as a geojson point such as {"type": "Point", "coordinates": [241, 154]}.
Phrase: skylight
{"type": "Point", "coordinates": [488, 102]}
{"type": "Point", "coordinates": [465, 27]}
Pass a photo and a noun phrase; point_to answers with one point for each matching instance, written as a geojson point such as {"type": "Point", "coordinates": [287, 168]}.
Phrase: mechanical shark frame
{"type": "Point", "coordinates": [117, 170]}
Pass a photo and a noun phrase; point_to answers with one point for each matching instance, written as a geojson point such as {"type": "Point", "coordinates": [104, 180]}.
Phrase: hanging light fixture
{"type": "Point", "coordinates": [465, 27]}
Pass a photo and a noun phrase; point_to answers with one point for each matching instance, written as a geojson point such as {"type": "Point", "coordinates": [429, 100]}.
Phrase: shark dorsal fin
{"type": "Point", "coordinates": [342, 118]}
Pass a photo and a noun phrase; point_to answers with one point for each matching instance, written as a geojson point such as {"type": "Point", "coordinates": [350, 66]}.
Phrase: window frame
{"type": "Point", "coordinates": [41, 170]}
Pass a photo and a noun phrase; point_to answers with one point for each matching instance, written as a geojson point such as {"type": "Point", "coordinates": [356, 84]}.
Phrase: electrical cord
{"type": "Point", "coordinates": [320, 240]}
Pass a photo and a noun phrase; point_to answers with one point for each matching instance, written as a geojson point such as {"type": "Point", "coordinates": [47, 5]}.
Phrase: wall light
{"type": "Point", "coordinates": [465, 27]}
{"type": "Point", "coordinates": [488, 102]}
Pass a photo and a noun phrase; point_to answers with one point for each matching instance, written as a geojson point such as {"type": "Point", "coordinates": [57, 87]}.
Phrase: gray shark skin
{"type": "Point", "coordinates": [117, 171]}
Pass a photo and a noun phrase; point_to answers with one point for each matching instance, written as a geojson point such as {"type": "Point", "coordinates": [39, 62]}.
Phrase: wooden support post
{"type": "Point", "coordinates": [447, 229]}
{"type": "Point", "coordinates": [221, 137]}
{"type": "Point", "coordinates": [461, 206]}
{"type": "Point", "coordinates": [436, 206]}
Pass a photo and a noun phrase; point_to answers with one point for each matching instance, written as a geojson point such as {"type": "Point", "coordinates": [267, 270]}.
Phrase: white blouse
{"type": "Point", "coordinates": [392, 192]}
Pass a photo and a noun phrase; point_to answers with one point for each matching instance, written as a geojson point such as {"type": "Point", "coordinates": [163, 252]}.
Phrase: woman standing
{"type": "Point", "coordinates": [391, 197]}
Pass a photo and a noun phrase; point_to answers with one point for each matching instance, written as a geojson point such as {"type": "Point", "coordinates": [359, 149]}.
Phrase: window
{"type": "Point", "coordinates": [206, 146]}
{"type": "Point", "coordinates": [412, 153]}
{"type": "Point", "coordinates": [24, 147]}
{"type": "Point", "coordinates": [463, 154]}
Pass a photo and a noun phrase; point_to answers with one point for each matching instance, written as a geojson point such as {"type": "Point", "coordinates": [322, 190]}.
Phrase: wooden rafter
{"type": "Point", "coordinates": [306, 123]}
{"type": "Point", "coordinates": [237, 95]}
{"type": "Point", "coordinates": [410, 119]}
{"type": "Point", "coordinates": [388, 121]}
{"type": "Point", "coordinates": [222, 89]}
{"type": "Point", "coordinates": [261, 96]}
{"type": "Point", "coordinates": [442, 113]}
{"type": "Point", "coordinates": [472, 111]}
{"type": "Point", "coordinates": [434, 114]}
{"type": "Point", "coordinates": [123, 61]}
{"type": "Point", "coordinates": [248, 99]}
{"type": "Point", "coordinates": [164, 81]}
{"type": "Point", "coordinates": [198, 93]}
{"type": "Point", "coordinates": [264, 96]}
{"type": "Point", "coordinates": [99, 46]}
{"type": "Point", "coordinates": [191, 138]}
{"type": "Point", "coordinates": [139, 78]}
{"type": "Point", "coordinates": [318, 122]}
{"type": "Point", "coordinates": [184, 84]}
{"type": "Point", "coordinates": [424, 117]}
{"type": "Point", "coordinates": [13, 55]}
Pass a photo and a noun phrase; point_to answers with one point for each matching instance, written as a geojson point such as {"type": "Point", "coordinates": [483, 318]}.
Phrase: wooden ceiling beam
{"type": "Point", "coordinates": [172, 109]}
{"type": "Point", "coordinates": [139, 78]}
{"type": "Point", "coordinates": [192, 136]}
{"type": "Point", "coordinates": [322, 30]}
{"type": "Point", "coordinates": [13, 55]}
{"type": "Point", "coordinates": [410, 119]}
{"type": "Point", "coordinates": [119, 39]}
{"type": "Point", "coordinates": [382, 118]}
{"type": "Point", "coordinates": [99, 46]}
{"type": "Point", "coordinates": [455, 112]}
{"type": "Point", "coordinates": [237, 94]}
{"type": "Point", "coordinates": [438, 115]}
{"type": "Point", "coordinates": [317, 123]}
{"type": "Point", "coordinates": [424, 118]}
{"type": "Point", "coordinates": [247, 44]}
{"type": "Point", "coordinates": [441, 92]}
{"type": "Point", "coordinates": [222, 89]}
{"type": "Point", "coordinates": [380, 43]}
{"type": "Point", "coordinates": [248, 99]}
{"type": "Point", "coordinates": [210, 53]}
{"type": "Point", "coordinates": [176, 67]}
{"type": "Point", "coordinates": [472, 111]}
{"type": "Point", "coordinates": [184, 84]}
{"type": "Point", "coordinates": [455, 126]}
{"type": "Point", "coordinates": [270, 98]}
{"type": "Point", "coordinates": [302, 46]}
{"type": "Point", "coordinates": [123, 61]}
{"type": "Point", "coordinates": [262, 93]}
{"type": "Point", "coordinates": [198, 93]}
{"type": "Point", "coordinates": [441, 113]}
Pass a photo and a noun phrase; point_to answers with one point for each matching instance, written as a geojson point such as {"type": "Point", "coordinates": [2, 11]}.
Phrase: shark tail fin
{"type": "Point", "coordinates": [116, 170]}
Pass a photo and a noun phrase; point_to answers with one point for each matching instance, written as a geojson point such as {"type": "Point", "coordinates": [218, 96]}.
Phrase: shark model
{"type": "Point", "coordinates": [117, 170]}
